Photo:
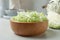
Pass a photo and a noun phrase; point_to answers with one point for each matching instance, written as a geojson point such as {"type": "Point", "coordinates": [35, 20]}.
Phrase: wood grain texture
{"type": "Point", "coordinates": [29, 29]}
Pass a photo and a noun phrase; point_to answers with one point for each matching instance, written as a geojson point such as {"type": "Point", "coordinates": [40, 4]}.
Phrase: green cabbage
{"type": "Point", "coordinates": [55, 26]}
{"type": "Point", "coordinates": [29, 17]}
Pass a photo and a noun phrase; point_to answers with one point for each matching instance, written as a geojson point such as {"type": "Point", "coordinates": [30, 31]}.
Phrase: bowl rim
{"type": "Point", "coordinates": [27, 22]}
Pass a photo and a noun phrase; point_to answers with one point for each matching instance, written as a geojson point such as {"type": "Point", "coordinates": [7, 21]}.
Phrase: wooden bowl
{"type": "Point", "coordinates": [29, 29]}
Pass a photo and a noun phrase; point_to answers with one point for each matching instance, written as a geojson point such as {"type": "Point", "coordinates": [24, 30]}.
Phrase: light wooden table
{"type": "Point", "coordinates": [7, 34]}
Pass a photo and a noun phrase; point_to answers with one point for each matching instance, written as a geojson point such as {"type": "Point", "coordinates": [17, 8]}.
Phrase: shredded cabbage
{"type": "Point", "coordinates": [29, 17]}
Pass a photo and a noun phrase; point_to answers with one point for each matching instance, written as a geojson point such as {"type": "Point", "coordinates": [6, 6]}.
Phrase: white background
{"type": "Point", "coordinates": [4, 4]}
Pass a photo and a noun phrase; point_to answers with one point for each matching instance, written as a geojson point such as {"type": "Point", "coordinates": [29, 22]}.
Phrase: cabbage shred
{"type": "Point", "coordinates": [29, 17]}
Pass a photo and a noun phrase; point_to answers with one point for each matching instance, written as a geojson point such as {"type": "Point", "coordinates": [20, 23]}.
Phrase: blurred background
{"type": "Point", "coordinates": [7, 5]}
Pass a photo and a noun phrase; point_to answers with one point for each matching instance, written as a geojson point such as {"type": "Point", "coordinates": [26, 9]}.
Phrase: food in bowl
{"type": "Point", "coordinates": [29, 17]}
{"type": "Point", "coordinates": [29, 23]}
